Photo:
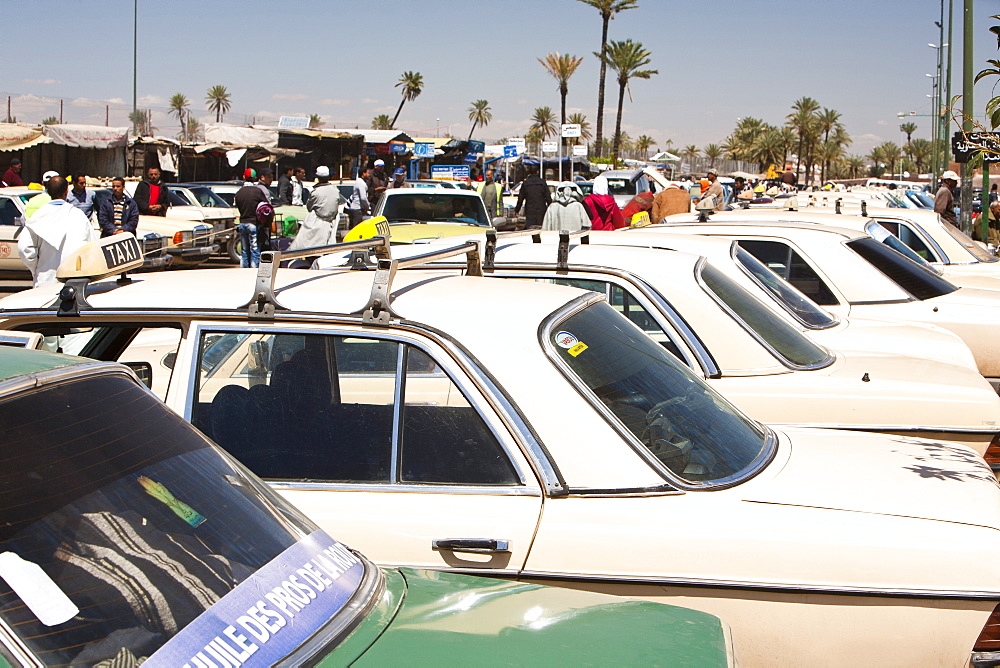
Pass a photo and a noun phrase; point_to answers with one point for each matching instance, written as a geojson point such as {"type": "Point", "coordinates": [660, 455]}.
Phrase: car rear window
{"type": "Point", "coordinates": [805, 310]}
{"type": "Point", "coordinates": [919, 281]}
{"type": "Point", "coordinates": [136, 525]}
{"type": "Point", "coordinates": [687, 427]}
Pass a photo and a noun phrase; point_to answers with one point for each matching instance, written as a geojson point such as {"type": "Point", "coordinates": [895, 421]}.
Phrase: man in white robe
{"type": "Point", "coordinates": [53, 232]}
{"type": "Point", "coordinates": [320, 225]}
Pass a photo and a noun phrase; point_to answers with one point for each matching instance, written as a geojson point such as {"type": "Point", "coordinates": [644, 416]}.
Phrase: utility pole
{"type": "Point", "coordinates": [945, 117]}
{"type": "Point", "coordinates": [135, 57]}
{"type": "Point", "coordinates": [967, 112]}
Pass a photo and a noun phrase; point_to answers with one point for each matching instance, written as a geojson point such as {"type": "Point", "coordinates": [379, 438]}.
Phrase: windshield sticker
{"type": "Point", "coordinates": [159, 492]}
{"type": "Point", "coordinates": [566, 340]}
{"type": "Point", "coordinates": [577, 349]}
{"type": "Point", "coordinates": [37, 590]}
{"type": "Point", "coordinates": [271, 613]}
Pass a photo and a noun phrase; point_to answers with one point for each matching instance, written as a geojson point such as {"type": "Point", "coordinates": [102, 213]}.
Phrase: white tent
{"type": "Point", "coordinates": [665, 156]}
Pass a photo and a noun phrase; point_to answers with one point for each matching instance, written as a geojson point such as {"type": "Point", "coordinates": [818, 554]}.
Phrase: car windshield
{"type": "Point", "coordinates": [688, 428]}
{"type": "Point", "coordinates": [961, 237]}
{"type": "Point", "coordinates": [206, 197]}
{"type": "Point", "coordinates": [124, 532]}
{"type": "Point", "coordinates": [917, 280]}
{"type": "Point", "coordinates": [436, 207]}
{"type": "Point", "coordinates": [789, 344]}
{"type": "Point", "coordinates": [621, 185]}
{"type": "Point", "coordinates": [805, 310]}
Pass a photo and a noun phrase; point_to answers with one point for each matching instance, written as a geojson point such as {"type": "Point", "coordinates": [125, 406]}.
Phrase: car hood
{"type": "Point", "coordinates": [462, 620]}
{"type": "Point", "coordinates": [882, 475]}
{"type": "Point", "coordinates": [920, 340]}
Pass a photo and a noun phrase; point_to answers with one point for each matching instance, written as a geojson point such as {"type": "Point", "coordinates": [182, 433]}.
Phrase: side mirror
{"type": "Point", "coordinates": [143, 371]}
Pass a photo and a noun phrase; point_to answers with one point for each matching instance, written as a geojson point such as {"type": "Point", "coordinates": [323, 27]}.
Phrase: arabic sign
{"type": "Point", "coordinates": [273, 612]}
{"type": "Point", "coordinates": [450, 172]}
{"type": "Point", "coordinates": [965, 145]}
{"type": "Point", "coordinates": [580, 149]}
{"type": "Point", "coordinates": [518, 142]}
{"type": "Point", "coordinates": [476, 146]}
{"type": "Point", "coordinates": [510, 151]}
{"type": "Point", "coordinates": [549, 147]}
{"type": "Point", "coordinates": [571, 130]}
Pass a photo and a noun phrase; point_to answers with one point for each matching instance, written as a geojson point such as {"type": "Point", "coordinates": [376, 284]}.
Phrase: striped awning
{"type": "Point", "coordinates": [15, 137]}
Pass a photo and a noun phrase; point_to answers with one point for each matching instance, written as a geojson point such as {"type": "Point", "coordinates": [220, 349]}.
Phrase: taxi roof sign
{"type": "Point", "coordinates": [105, 257]}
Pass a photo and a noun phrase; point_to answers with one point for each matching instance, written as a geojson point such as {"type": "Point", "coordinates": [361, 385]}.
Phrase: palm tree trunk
{"type": "Point", "coordinates": [600, 87]}
{"type": "Point", "coordinates": [471, 131]}
{"type": "Point", "coordinates": [798, 159]}
{"type": "Point", "coordinates": [392, 126]}
{"type": "Point", "coordinates": [563, 92]}
{"type": "Point", "coordinates": [618, 127]}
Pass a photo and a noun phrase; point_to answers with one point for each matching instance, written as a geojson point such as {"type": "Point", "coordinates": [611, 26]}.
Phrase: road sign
{"type": "Point", "coordinates": [518, 142]}
{"type": "Point", "coordinates": [510, 151]}
{"type": "Point", "coordinates": [570, 130]}
{"type": "Point", "coordinates": [293, 122]}
{"type": "Point", "coordinates": [966, 145]}
{"type": "Point", "coordinates": [476, 146]}
{"type": "Point", "coordinates": [580, 149]}
{"type": "Point", "coordinates": [550, 146]}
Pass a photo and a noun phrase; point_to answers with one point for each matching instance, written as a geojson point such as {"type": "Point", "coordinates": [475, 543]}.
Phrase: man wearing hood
{"type": "Point", "coordinates": [566, 212]}
{"type": "Point", "coordinates": [320, 225]}
{"type": "Point", "coordinates": [535, 198]}
{"type": "Point", "coordinates": [603, 210]}
{"type": "Point", "coordinates": [56, 230]}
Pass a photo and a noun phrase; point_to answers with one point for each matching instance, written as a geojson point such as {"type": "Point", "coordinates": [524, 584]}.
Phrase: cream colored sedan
{"type": "Point", "coordinates": [578, 452]}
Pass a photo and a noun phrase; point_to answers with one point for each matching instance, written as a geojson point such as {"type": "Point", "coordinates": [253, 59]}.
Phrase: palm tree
{"type": "Point", "coordinates": [768, 148]}
{"type": "Point", "coordinates": [580, 119]}
{"type": "Point", "coordinates": [643, 144]}
{"type": "Point", "coordinates": [921, 152]}
{"type": "Point", "coordinates": [51, 120]}
{"type": "Point", "coordinates": [624, 142]}
{"type": "Point", "coordinates": [561, 67]}
{"type": "Point", "coordinates": [712, 152]}
{"type": "Point", "coordinates": [855, 165]}
{"type": "Point", "coordinates": [908, 129]}
{"type": "Point", "coordinates": [217, 99]}
{"type": "Point", "coordinates": [829, 152]}
{"type": "Point", "coordinates": [315, 121]}
{"type": "Point", "coordinates": [193, 128]}
{"type": "Point", "coordinates": [480, 114]}
{"type": "Point", "coordinates": [627, 59]}
{"type": "Point", "coordinates": [412, 84]}
{"type": "Point", "coordinates": [534, 135]}
{"type": "Point", "coordinates": [803, 121]}
{"type": "Point", "coordinates": [178, 107]}
{"type": "Point", "coordinates": [382, 122]}
{"type": "Point", "coordinates": [544, 122]}
{"type": "Point", "coordinates": [891, 155]}
{"type": "Point", "coordinates": [608, 9]}
{"type": "Point", "coordinates": [141, 122]}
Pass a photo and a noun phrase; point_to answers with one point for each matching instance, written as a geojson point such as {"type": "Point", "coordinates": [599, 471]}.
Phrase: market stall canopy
{"type": "Point", "coordinates": [665, 156]}
{"type": "Point", "coordinates": [14, 137]}
{"type": "Point", "coordinates": [86, 136]}
{"type": "Point", "coordinates": [235, 135]}
{"type": "Point", "coordinates": [745, 175]}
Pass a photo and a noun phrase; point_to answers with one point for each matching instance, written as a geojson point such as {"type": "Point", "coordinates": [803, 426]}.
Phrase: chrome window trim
{"type": "Point", "coordinates": [825, 362]}
{"type": "Point", "coordinates": [622, 278]}
{"type": "Point", "coordinates": [398, 388]}
{"type": "Point", "coordinates": [199, 327]}
{"type": "Point", "coordinates": [422, 488]}
{"type": "Point", "coordinates": [531, 445]}
{"type": "Point", "coordinates": [920, 233]}
{"type": "Point", "coordinates": [17, 649]}
{"type": "Point", "coordinates": [938, 429]}
{"type": "Point", "coordinates": [555, 320]}
{"type": "Point", "coordinates": [834, 320]}
{"type": "Point", "coordinates": [792, 587]}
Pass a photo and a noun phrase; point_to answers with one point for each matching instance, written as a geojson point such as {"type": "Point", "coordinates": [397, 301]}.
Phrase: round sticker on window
{"type": "Point", "coordinates": [566, 340]}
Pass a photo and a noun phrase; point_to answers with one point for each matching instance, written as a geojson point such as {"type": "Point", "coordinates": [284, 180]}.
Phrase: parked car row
{"type": "Point", "coordinates": [575, 412]}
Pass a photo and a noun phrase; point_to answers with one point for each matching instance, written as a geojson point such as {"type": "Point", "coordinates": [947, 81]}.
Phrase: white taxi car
{"type": "Point", "coordinates": [746, 352]}
{"type": "Point", "coordinates": [851, 273]}
{"type": "Point", "coordinates": [579, 452]}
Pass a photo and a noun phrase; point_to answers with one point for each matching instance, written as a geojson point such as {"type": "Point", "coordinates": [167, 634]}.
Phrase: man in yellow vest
{"type": "Point", "coordinates": [492, 195]}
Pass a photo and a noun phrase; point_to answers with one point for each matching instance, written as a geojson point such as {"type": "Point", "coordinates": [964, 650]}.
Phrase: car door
{"type": "Point", "coordinates": [380, 437]}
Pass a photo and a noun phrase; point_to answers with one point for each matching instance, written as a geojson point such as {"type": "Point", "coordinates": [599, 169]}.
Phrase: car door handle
{"type": "Point", "coordinates": [477, 545]}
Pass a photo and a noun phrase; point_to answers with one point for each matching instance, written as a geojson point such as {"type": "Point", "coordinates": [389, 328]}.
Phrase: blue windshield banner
{"type": "Point", "coordinates": [267, 616]}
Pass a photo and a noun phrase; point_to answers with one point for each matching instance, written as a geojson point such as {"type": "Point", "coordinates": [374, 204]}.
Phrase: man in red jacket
{"type": "Point", "coordinates": [151, 196]}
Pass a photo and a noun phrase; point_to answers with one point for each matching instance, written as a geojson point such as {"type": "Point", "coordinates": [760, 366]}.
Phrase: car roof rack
{"type": "Point", "coordinates": [562, 256]}
{"type": "Point", "coordinates": [378, 311]}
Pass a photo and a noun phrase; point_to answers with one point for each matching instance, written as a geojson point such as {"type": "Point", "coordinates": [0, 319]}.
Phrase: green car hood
{"type": "Point", "coordinates": [446, 618]}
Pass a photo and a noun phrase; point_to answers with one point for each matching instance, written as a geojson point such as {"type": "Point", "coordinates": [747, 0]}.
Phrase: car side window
{"type": "Point", "coordinates": [783, 260]}
{"type": "Point", "coordinates": [9, 213]}
{"type": "Point", "coordinates": [910, 238]}
{"type": "Point", "coordinates": [341, 409]}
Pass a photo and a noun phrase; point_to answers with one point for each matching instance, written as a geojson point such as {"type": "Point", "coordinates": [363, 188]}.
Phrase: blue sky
{"type": "Point", "coordinates": [717, 61]}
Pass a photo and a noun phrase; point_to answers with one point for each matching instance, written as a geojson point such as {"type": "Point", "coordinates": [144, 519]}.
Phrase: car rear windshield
{"type": "Point", "coordinates": [120, 525]}
{"type": "Point", "coordinates": [879, 233]}
{"type": "Point", "coordinates": [974, 248]}
{"type": "Point", "coordinates": [686, 426]}
{"type": "Point", "coordinates": [436, 207]}
{"type": "Point", "coordinates": [787, 343]}
{"type": "Point", "coordinates": [805, 310]}
{"type": "Point", "coordinates": [920, 282]}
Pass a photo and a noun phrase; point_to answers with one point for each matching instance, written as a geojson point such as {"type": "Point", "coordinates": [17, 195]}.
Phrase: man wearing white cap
{"type": "Point", "coordinates": [714, 188]}
{"type": "Point", "coordinates": [41, 199]}
{"type": "Point", "coordinates": [378, 181]}
{"type": "Point", "coordinates": [58, 229]}
{"type": "Point", "coordinates": [320, 225]}
{"type": "Point", "coordinates": [944, 200]}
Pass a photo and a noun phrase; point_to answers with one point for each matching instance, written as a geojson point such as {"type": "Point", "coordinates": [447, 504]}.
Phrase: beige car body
{"type": "Point", "coordinates": [859, 288]}
{"type": "Point", "coordinates": [843, 548]}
